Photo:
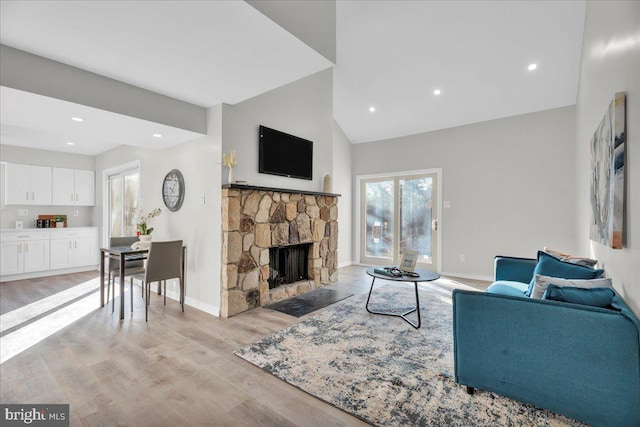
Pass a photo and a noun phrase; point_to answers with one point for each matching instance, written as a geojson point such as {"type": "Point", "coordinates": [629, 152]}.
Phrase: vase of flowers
{"type": "Point", "coordinates": [230, 161]}
{"type": "Point", "coordinates": [143, 229]}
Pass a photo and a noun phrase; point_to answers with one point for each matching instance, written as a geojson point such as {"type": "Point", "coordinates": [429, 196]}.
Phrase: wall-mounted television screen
{"type": "Point", "coordinates": [285, 155]}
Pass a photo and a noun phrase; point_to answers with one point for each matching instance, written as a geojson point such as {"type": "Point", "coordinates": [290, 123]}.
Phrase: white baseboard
{"type": "Point", "coordinates": [344, 264]}
{"type": "Point", "coordinates": [467, 276]}
{"type": "Point", "coordinates": [207, 308]}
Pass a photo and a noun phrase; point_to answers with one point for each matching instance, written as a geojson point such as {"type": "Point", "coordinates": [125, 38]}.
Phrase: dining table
{"type": "Point", "coordinates": [122, 254]}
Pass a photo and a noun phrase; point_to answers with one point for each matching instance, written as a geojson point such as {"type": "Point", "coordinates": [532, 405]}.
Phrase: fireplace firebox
{"type": "Point", "coordinates": [288, 264]}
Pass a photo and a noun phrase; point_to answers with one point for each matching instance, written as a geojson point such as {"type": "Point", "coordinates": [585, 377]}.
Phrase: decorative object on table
{"type": "Point", "coordinates": [173, 190]}
{"type": "Point", "coordinates": [327, 186]}
{"type": "Point", "coordinates": [144, 231]}
{"type": "Point", "coordinates": [408, 260]}
{"type": "Point", "coordinates": [144, 243]}
{"type": "Point", "coordinates": [607, 175]}
{"type": "Point", "coordinates": [19, 225]}
{"type": "Point", "coordinates": [382, 372]}
{"type": "Point", "coordinates": [230, 161]}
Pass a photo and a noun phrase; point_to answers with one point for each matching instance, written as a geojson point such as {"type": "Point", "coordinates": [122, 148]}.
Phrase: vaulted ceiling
{"type": "Point", "coordinates": [391, 55]}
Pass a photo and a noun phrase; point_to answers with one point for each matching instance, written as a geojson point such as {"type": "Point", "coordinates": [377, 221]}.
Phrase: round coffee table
{"type": "Point", "coordinates": [423, 276]}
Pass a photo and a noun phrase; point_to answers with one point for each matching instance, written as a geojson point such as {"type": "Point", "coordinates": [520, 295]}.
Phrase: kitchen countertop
{"type": "Point", "coordinates": [30, 229]}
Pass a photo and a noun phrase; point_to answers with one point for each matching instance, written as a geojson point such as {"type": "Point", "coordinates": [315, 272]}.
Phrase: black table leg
{"type": "Point", "coordinates": [101, 279]}
{"type": "Point", "coordinates": [121, 286]}
{"type": "Point", "coordinates": [403, 315]}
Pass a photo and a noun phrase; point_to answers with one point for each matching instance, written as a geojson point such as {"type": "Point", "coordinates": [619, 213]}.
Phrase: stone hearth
{"type": "Point", "coordinates": [255, 219]}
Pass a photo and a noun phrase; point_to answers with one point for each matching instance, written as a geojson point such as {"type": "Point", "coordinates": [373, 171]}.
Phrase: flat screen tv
{"type": "Point", "coordinates": [285, 155]}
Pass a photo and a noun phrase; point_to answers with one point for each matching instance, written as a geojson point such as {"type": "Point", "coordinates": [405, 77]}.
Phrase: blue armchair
{"type": "Point", "coordinates": [576, 360]}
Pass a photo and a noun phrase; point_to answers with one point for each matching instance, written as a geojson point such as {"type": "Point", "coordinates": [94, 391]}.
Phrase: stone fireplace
{"type": "Point", "coordinates": [259, 226]}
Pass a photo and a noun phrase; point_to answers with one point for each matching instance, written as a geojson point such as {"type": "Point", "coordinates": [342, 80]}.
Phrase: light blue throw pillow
{"type": "Point", "coordinates": [595, 297]}
{"type": "Point", "coordinates": [541, 283]}
{"type": "Point", "coordinates": [549, 265]}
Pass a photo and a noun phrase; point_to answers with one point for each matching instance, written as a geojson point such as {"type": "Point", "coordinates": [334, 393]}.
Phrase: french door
{"type": "Point", "coordinates": [399, 213]}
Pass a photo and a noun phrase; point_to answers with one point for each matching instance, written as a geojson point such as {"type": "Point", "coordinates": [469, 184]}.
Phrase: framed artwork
{"type": "Point", "coordinates": [408, 261]}
{"type": "Point", "coordinates": [607, 175]}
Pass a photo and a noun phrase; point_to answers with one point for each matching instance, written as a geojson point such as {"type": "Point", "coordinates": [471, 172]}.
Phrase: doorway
{"type": "Point", "coordinates": [399, 212]}
{"type": "Point", "coordinates": [121, 196]}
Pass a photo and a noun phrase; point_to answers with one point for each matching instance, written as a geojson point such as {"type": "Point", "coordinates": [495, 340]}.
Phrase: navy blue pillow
{"type": "Point", "coordinates": [548, 265]}
{"type": "Point", "coordinates": [595, 297]}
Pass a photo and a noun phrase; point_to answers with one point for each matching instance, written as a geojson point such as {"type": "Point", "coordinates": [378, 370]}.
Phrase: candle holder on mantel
{"type": "Point", "coordinates": [327, 186]}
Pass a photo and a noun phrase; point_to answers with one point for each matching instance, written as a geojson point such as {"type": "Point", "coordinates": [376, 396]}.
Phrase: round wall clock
{"type": "Point", "coordinates": [173, 190]}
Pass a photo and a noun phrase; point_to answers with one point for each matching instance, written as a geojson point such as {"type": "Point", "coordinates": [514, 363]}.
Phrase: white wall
{"type": "Point", "coordinates": [610, 64]}
{"type": "Point", "coordinates": [196, 224]}
{"type": "Point", "coordinates": [303, 108]}
{"type": "Point", "coordinates": [509, 182]}
{"type": "Point", "coordinates": [31, 156]}
{"type": "Point", "coordinates": [342, 179]}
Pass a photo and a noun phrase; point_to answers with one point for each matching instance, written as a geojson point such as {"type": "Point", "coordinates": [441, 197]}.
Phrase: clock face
{"type": "Point", "coordinates": [173, 190]}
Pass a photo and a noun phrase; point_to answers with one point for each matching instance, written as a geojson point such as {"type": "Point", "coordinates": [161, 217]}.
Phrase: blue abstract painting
{"type": "Point", "coordinates": [607, 175]}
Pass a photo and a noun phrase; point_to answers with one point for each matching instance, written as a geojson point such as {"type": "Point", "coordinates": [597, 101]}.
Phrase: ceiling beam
{"type": "Point", "coordinates": [32, 73]}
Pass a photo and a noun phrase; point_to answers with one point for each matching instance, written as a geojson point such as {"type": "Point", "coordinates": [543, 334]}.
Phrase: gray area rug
{"type": "Point", "coordinates": [380, 369]}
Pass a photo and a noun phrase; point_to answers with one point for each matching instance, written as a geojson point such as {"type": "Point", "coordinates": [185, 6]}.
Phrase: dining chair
{"type": "Point", "coordinates": [130, 267]}
{"type": "Point", "coordinates": [164, 262]}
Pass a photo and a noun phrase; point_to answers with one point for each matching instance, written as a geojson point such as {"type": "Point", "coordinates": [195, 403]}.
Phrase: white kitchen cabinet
{"type": "Point", "coordinates": [74, 248]}
{"type": "Point", "coordinates": [27, 184]}
{"type": "Point", "coordinates": [73, 187]}
{"type": "Point", "coordinates": [85, 187]}
{"type": "Point", "coordinates": [24, 252]}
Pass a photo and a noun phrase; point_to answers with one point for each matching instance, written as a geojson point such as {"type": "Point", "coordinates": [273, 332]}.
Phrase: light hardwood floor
{"type": "Point", "coordinates": [177, 369]}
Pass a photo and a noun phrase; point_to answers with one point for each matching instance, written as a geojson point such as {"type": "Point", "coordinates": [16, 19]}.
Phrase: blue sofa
{"type": "Point", "coordinates": [579, 361]}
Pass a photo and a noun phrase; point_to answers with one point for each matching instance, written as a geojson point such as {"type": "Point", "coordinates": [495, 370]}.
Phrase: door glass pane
{"type": "Point", "coordinates": [379, 219]}
{"type": "Point", "coordinates": [123, 198]}
{"type": "Point", "coordinates": [130, 203]}
{"type": "Point", "coordinates": [415, 216]}
{"type": "Point", "coordinates": [115, 201]}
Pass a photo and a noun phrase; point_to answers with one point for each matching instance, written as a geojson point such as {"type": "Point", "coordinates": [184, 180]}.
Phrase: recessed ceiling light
{"type": "Point", "coordinates": [157, 135]}
{"type": "Point", "coordinates": [70, 143]}
{"type": "Point", "coordinates": [436, 92]}
{"type": "Point", "coordinates": [372, 109]}
{"type": "Point", "coordinates": [77, 119]}
{"type": "Point", "coordinates": [532, 67]}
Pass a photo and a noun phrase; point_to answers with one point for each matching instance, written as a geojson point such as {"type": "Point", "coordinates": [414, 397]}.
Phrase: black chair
{"type": "Point", "coordinates": [130, 267]}
{"type": "Point", "coordinates": [164, 262]}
